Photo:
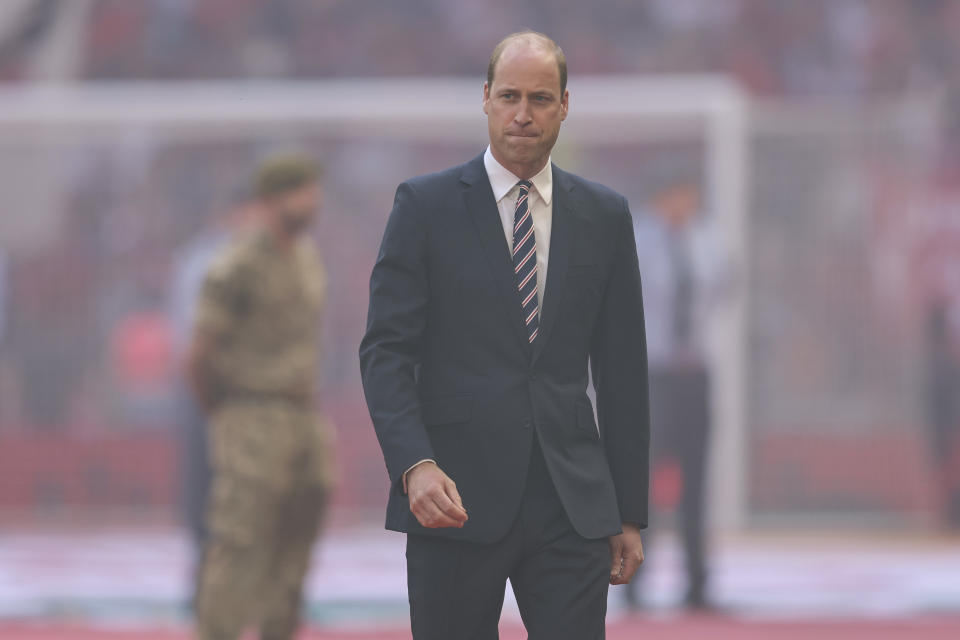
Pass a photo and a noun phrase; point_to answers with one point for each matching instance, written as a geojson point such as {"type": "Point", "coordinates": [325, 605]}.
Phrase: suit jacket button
{"type": "Point", "coordinates": [528, 424]}
{"type": "Point", "coordinates": [533, 376]}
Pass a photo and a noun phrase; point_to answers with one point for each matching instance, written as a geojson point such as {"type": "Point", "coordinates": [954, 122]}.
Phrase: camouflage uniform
{"type": "Point", "coordinates": [259, 312]}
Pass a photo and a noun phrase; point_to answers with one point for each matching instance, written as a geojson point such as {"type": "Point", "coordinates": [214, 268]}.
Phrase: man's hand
{"type": "Point", "coordinates": [433, 497]}
{"type": "Point", "coordinates": [626, 554]}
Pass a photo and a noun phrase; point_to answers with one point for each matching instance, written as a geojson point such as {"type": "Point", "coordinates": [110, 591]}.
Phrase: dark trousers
{"type": "Point", "coordinates": [680, 433]}
{"type": "Point", "coordinates": [560, 579]}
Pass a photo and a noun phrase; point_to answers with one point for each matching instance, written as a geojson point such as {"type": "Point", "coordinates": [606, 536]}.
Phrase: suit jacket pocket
{"type": "Point", "coordinates": [447, 410]}
{"type": "Point", "coordinates": [585, 419]}
{"type": "Point", "coordinates": [575, 271]}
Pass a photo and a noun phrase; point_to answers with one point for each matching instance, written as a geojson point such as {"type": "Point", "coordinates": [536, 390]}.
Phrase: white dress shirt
{"type": "Point", "coordinates": [540, 205]}
{"type": "Point", "coordinates": [539, 202]}
{"type": "Point", "coordinates": [711, 273]}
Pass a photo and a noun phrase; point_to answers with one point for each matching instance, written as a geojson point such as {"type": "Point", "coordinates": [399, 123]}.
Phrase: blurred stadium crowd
{"type": "Point", "coordinates": [773, 47]}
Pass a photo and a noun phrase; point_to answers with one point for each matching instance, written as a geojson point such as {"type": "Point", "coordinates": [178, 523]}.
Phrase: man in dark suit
{"type": "Point", "coordinates": [496, 283]}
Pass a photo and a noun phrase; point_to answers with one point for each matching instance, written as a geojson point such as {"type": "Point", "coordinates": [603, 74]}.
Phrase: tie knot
{"type": "Point", "coordinates": [524, 186]}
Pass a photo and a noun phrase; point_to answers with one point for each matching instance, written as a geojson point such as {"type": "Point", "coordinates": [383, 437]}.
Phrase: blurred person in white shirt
{"type": "Point", "coordinates": [684, 273]}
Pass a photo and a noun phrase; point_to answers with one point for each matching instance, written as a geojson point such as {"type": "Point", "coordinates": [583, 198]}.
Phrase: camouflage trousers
{"type": "Point", "coordinates": [271, 472]}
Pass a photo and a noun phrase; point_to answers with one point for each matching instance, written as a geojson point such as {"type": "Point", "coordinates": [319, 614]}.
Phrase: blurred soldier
{"type": "Point", "coordinates": [254, 365]}
{"type": "Point", "coordinates": [682, 267]}
{"type": "Point", "coordinates": [190, 268]}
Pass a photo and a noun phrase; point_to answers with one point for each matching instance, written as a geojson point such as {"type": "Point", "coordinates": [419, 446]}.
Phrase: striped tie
{"type": "Point", "coordinates": [525, 261]}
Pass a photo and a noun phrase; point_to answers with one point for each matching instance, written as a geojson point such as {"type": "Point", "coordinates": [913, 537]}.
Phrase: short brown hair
{"type": "Point", "coordinates": [528, 36]}
{"type": "Point", "coordinates": [285, 173]}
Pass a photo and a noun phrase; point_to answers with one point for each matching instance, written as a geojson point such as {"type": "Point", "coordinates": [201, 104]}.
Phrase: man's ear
{"type": "Point", "coordinates": [564, 104]}
{"type": "Point", "coordinates": [486, 98]}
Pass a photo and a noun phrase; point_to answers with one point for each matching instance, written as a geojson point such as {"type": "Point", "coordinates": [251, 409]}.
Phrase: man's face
{"type": "Point", "coordinates": [524, 108]}
{"type": "Point", "coordinates": [297, 209]}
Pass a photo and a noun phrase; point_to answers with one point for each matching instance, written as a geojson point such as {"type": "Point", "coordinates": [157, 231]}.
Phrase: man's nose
{"type": "Point", "coordinates": [522, 116]}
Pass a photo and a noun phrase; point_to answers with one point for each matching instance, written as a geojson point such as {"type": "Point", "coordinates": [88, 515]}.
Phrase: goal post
{"type": "Point", "coordinates": [605, 111]}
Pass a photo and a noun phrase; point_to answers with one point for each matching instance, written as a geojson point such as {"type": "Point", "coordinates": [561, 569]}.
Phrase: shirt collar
{"type": "Point", "coordinates": [503, 181]}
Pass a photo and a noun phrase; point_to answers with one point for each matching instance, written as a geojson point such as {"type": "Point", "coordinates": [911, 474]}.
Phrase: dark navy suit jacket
{"type": "Point", "coordinates": [448, 372]}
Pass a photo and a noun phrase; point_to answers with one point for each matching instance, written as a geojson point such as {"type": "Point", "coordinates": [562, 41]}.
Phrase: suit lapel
{"type": "Point", "coordinates": [483, 213]}
{"type": "Point", "coordinates": [561, 244]}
